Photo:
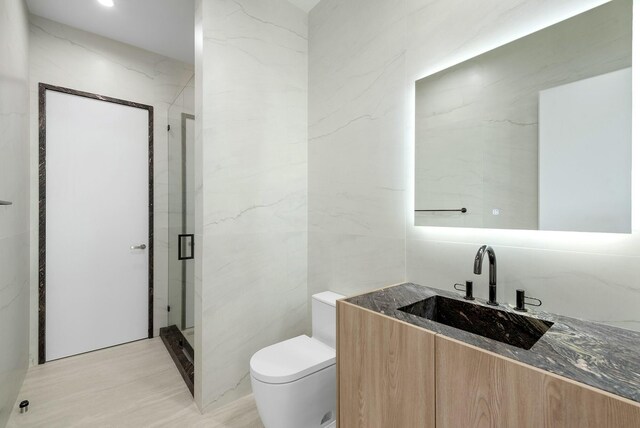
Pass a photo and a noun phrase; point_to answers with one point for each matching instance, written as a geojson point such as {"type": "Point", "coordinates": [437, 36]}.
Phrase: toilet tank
{"type": "Point", "coordinates": [323, 317]}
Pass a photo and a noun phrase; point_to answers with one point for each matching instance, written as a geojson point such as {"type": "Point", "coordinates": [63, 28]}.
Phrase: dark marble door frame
{"type": "Point", "coordinates": [42, 261]}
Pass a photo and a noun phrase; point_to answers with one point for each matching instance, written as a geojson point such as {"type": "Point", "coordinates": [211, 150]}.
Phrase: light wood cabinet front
{"type": "Point", "coordinates": [385, 371]}
{"type": "Point", "coordinates": [475, 388]}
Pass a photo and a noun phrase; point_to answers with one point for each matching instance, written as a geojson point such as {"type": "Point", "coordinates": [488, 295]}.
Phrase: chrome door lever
{"type": "Point", "coordinates": [139, 247]}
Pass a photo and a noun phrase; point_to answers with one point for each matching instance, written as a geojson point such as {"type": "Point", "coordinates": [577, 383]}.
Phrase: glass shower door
{"type": "Point", "coordinates": [181, 215]}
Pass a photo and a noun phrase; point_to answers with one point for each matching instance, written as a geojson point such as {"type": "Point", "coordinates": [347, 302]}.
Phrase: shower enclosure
{"type": "Point", "coordinates": [178, 336]}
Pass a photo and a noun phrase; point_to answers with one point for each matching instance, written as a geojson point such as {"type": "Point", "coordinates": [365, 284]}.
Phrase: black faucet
{"type": "Point", "coordinates": [477, 269]}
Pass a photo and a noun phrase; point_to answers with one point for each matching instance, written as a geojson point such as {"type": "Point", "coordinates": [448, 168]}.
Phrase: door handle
{"type": "Point", "coordinates": [139, 247]}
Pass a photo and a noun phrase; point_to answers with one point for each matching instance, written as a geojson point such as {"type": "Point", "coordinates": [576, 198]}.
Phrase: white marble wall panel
{"type": "Point", "coordinates": [14, 187]}
{"type": "Point", "coordinates": [353, 264]}
{"type": "Point", "coordinates": [251, 260]}
{"type": "Point", "coordinates": [572, 272]}
{"type": "Point", "coordinates": [597, 287]}
{"type": "Point", "coordinates": [357, 197]}
{"type": "Point", "coordinates": [65, 56]}
{"type": "Point", "coordinates": [14, 316]}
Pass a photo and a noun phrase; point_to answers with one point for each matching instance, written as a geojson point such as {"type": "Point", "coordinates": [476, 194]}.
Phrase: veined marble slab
{"type": "Point", "coordinates": [595, 354]}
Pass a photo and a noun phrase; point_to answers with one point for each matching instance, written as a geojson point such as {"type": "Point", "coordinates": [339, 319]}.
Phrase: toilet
{"type": "Point", "coordinates": [294, 382]}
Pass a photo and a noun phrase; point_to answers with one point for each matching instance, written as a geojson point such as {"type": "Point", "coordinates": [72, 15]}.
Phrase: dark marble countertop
{"type": "Point", "coordinates": [605, 357]}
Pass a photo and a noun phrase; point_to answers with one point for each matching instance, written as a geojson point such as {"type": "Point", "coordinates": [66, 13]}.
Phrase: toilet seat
{"type": "Point", "coordinates": [291, 360]}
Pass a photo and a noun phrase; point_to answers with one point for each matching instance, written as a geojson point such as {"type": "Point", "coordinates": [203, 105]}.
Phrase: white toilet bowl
{"type": "Point", "coordinates": [294, 382]}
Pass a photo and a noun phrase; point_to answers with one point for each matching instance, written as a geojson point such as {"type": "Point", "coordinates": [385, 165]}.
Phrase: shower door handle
{"type": "Point", "coordinates": [182, 238]}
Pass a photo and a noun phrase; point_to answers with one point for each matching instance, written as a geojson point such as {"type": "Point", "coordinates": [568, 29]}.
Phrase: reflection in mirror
{"type": "Point", "coordinates": [535, 134]}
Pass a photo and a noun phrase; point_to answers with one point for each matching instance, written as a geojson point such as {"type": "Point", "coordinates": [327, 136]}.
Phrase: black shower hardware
{"type": "Point", "coordinates": [190, 244]}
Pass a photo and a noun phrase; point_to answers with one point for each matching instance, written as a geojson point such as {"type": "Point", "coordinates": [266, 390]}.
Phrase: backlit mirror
{"type": "Point", "coordinates": [535, 134]}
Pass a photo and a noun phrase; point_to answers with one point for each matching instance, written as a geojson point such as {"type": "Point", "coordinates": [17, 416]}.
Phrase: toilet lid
{"type": "Point", "coordinates": [291, 360]}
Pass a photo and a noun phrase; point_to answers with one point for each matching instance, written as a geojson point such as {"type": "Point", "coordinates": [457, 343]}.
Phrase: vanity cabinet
{"type": "Point", "coordinates": [395, 375]}
{"type": "Point", "coordinates": [385, 371]}
{"type": "Point", "coordinates": [476, 388]}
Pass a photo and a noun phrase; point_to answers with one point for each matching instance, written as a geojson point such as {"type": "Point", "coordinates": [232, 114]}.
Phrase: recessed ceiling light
{"type": "Point", "coordinates": [107, 3]}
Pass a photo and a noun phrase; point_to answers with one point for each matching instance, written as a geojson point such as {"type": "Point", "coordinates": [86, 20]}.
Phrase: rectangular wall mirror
{"type": "Point", "coordinates": [535, 134]}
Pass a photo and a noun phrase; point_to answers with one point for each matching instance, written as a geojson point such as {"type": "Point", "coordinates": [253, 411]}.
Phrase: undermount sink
{"type": "Point", "coordinates": [513, 329]}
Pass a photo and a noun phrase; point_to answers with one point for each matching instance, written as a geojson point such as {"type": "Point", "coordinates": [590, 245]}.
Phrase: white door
{"type": "Point", "coordinates": [97, 209]}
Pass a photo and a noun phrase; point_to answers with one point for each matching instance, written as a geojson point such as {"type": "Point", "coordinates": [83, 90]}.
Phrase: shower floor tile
{"type": "Point", "coordinates": [188, 334]}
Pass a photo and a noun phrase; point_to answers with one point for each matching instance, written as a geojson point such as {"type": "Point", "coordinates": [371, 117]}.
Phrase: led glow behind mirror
{"type": "Point", "coordinates": [500, 135]}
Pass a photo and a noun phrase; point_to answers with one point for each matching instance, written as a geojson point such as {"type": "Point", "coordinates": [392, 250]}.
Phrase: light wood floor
{"type": "Point", "coordinates": [132, 385]}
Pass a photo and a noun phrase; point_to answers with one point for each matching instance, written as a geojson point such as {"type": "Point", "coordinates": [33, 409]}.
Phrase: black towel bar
{"type": "Point", "coordinates": [462, 210]}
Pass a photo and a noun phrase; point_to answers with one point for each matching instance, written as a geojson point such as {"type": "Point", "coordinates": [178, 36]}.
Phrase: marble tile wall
{"type": "Point", "coordinates": [364, 58]}
{"type": "Point", "coordinates": [14, 187]}
{"type": "Point", "coordinates": [251, 140]}
{"type": "Point", "coordinates": [357, 158]}
{"type": "Point", "coordinates": [65, 56]}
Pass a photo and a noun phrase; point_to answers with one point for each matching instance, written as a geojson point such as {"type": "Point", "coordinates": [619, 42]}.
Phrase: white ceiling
{"type": "Point", "coordinates": [161, 26]}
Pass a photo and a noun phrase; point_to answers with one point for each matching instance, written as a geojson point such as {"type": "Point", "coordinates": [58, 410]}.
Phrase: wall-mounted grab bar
{"type": "Point", "coordinates": [461, 210]}
{"type": "Point", "coordinates": [6, 203]}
